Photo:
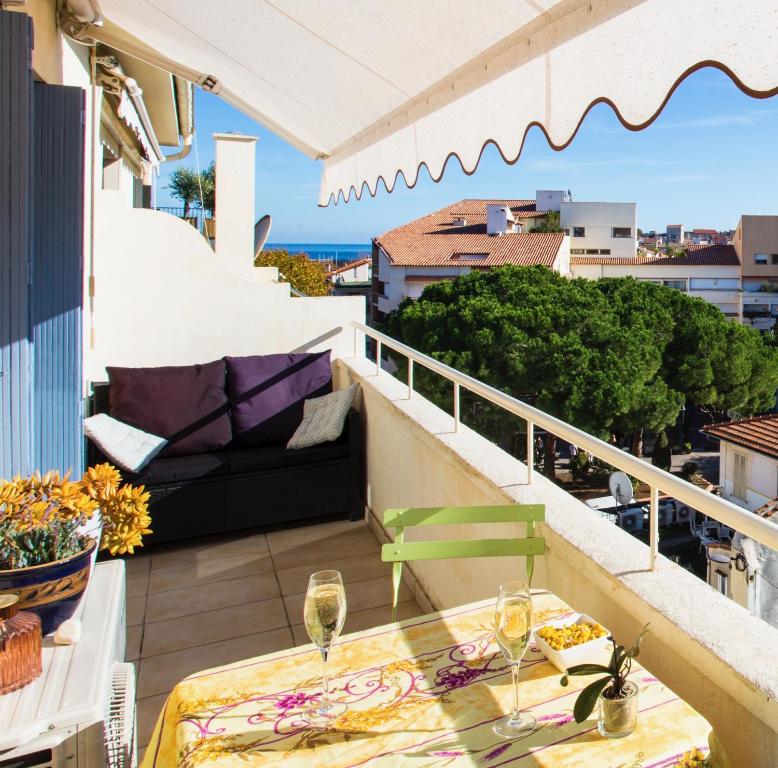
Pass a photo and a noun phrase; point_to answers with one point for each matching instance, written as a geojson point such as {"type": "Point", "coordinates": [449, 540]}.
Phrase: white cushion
{"type": "Point", "coordinates": [323, 418]}
{"type": "Point", "coordinates": [127, 447]}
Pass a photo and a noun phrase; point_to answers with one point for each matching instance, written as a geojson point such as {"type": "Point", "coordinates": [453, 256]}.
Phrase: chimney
{"type": "Point", "coordinates": [499, 220]}
{"type": "Point", "coordinates": [234, 212]}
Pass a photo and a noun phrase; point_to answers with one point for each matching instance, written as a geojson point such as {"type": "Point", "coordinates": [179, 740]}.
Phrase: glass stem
{"type": "Point", "coordinates": [515, 715]}
{"type": "Point", "coordinates": [325, 698]}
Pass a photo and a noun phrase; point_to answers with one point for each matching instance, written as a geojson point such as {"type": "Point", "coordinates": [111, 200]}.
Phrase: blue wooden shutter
{"type": "Point", "coordinates": [57, 277]}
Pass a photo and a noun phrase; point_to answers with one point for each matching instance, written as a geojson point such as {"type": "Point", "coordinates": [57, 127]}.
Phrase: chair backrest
{"type": "Point", "coordinates": [401, 551]}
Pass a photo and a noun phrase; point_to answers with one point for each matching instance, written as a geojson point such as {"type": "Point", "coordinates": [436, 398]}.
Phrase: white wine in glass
{"type": "Point", "coordinates": [513, 628]}
{"type": "Point", "coordinates": [324, 614]}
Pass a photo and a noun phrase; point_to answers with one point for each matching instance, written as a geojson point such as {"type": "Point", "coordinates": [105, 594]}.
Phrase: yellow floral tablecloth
{"type": "Point", "coordinates": [422, 693]}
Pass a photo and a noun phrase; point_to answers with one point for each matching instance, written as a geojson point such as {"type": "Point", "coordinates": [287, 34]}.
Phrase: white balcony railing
{"type": "Point", "coordinates": [729, 514]}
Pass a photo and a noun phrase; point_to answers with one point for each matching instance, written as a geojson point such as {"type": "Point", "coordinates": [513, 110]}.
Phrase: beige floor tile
{"type": "Point", "coordinates": [212, 626]}
{"type": "Point", "coordinates": [191, 573]}
{"type": "Point", "coordinates": [360, 595]}
{"type": "Point", "coordinates": [210, 596]}
{"type": "Point", "coordinates": [134, 639]}
{"type": "Point", "coordinates": [210, 548]}
{"type": "Point", "coordinates": [359, 541]}
{"type": "Point", "coordinates": [277, 540]}
{"type": "Point", "coordinates": [160, 673]}
{"type": "Point", "coordinates": [136, 610]}
{"type": "Point", "coordinates": [138, 580]}
{"type": "Point", "coordinates": [353, 569]}
{"type": "Point", "coordinates": [148, 710]}
{"type": "Point", "coordinates": [359, 620]}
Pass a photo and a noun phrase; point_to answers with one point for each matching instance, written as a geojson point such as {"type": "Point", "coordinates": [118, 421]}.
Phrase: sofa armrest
{"type": "Point", "coordinates": [356, 440]}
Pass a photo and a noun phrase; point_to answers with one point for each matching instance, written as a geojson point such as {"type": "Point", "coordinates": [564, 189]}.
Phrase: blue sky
{"type": "Point", "coordinates": [709, 157]}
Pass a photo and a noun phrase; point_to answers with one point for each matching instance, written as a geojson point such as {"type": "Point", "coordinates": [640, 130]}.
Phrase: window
{"type": "Point", "coordinates": [576, 251]}
{"type": "Point", "coordinates": [579, 231]}
{"type": "Point", "coordinates": [592, 251]}
{"type": "Point", "coordinates": [760, 258]}
{"type": "Point", "coordinates": [679, 285]}
{"type": "Point", "coordinates": [739, 475]}
{"type": "Point", "coordinates": [774, 258]}
{"type": "Point", "coordinates": [621, 232]}
{"type": "Point", "coordinates": [605, 251]}
{"type": "Point", "coordinates": [722, 580]}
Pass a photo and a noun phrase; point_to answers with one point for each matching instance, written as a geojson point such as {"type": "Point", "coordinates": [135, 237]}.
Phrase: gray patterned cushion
{"type": "Point", "coordinates": [323, 418]}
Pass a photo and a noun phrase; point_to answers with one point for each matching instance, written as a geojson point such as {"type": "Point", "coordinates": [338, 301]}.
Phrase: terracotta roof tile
{"type": "Point", "coordinates": [696, 256]}
{"type": "Point", "coordinates": [434, 240]}
{"type": "Point", "coordinates": [759, 433]}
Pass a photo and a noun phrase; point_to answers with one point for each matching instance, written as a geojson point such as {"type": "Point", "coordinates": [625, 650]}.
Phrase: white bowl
{"type": "Point", "coordinates": [584, 653]}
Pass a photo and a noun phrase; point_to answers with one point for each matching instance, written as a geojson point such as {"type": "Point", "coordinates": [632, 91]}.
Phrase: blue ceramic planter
{"type": "Point", "coordinates": [52, 590]}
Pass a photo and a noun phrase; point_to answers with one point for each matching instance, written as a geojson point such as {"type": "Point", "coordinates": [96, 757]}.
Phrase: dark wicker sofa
{"type": "Point", "coordinates": [247, 487]}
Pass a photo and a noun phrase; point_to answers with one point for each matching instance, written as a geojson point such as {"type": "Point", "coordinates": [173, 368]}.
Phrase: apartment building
{"type": "Point", "coordinates": [756, 243]}
{"type": "Point", "coordinates": [675, 233]}
{"type": "Point", "coordinates": [743, 569]}
{"type": "Point", "coordinates": [709, 272]}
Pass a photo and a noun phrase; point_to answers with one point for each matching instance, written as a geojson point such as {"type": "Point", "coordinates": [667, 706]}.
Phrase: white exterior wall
{"type": "Point", "coordinates": [398, 288]}
{"type": "Point", "coordinates": [164, 298]}
{"type": "Point", "coordinates": [706, 279]}
{"type": "Point", "coordinates": [761, 476]}
{"type": "Point", "coordinates": [598, 220]}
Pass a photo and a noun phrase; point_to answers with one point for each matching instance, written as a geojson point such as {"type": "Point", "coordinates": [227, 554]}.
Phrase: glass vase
{"type": "Point", "coordinates": [619, 717]}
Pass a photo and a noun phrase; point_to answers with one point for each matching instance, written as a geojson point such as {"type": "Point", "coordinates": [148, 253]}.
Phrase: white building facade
{"type": "Point", "coordinates": [600, 229]}
{"type": "Point", "coordinates": [717, 284]}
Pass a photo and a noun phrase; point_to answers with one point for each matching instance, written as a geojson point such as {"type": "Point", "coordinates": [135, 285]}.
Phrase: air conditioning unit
{"type": "Point", "coordinates": [81, 712]}
{"type": "Point", "coordinates": [631, 519]}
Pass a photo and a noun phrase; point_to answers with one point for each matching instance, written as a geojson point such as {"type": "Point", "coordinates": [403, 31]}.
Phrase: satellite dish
{"type": "Point", "coordinates": [620, 487]}
{"type": "Point", "coordinates": [261, 233]}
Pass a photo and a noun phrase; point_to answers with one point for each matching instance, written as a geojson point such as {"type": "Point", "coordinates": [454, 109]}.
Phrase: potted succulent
{"type": "Point", "coordinates": [618, 696]}
{"type": "Point", "coordinates": [50, 528]}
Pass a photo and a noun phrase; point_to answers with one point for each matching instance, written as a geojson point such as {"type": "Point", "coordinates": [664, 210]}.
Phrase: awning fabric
{"type": "Point", "coordinates": [380, 87]}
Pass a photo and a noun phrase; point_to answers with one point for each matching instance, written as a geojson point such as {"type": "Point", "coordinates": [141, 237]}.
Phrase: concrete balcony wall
{"type": "Point", "coordinates": [705, 647]}
{"type": "Point", "coordinates": [162, 297]}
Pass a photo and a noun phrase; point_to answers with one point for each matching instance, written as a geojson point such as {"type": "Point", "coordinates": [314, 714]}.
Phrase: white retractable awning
{"type": "Point", "coordinates": [380, 87]}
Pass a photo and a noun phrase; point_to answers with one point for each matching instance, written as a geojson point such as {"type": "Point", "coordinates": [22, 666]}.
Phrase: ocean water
{"type": "Point", "coordinates": [337, 253]}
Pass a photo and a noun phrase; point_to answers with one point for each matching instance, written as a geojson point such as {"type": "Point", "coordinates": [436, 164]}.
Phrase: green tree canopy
{"type": "Point", "coordinates": [184, 186]}
{"type": "Point", "coordinates": [609, 355]}
{"type": "Point", "coordinates": [302, 273]}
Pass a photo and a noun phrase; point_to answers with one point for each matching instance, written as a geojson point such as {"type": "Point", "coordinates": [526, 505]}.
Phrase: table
{"type": "Point", "coordinates": [422, 693]}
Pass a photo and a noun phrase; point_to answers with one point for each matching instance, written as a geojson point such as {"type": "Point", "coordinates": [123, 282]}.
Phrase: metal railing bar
{"type": "Point", "coordinates": [706, 503]}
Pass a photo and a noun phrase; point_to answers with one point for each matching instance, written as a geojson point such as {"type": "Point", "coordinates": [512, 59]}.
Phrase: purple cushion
{"type": "Point", "coordinates": [267, 392]}
{"type": "Point", "coordinates": [186, 404]}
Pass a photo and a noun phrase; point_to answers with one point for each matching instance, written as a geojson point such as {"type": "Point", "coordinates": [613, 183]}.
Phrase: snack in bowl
{"type": "Point", "coordinates": [576, 639]}
{"type": "Point", "coordinates": [569, 635]}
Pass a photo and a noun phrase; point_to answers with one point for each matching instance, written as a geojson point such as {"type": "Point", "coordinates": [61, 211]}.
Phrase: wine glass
{"type": "Point", "coordinates": [513, 627]}
{"type": "Point", "coordinates": [324, 614]}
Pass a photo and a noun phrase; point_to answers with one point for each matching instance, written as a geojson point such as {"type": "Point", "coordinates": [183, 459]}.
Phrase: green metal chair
{"type": "Point", "coordinates": [402, 550]}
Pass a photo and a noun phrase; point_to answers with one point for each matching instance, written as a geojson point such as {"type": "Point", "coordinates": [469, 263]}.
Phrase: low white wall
{"type": "Point", "coordinates": [706, 648]}
{"type": "Point", "coordinates": [162, 297]}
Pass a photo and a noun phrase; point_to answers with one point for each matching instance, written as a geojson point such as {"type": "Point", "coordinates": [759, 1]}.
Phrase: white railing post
{"type": "Point", "coordinates": [653, 528]}
{"type": "Point", "coordinates": [378, 357]}
{"type": "Point", "coordinates": [456, 407]}
{"type": "Point", "coordinates": [410, 378]}
{"type": "Point", "coordinates": [530, 450]}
